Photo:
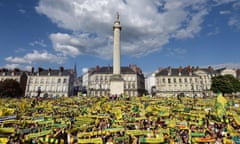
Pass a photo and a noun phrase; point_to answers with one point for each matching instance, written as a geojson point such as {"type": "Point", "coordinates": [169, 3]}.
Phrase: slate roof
{"type": "Point", "coordinates": [109, 70]}
{"type": "Point", "coordinates": [54, 72]}
{"type": "Point", "coordinates": [209, 71]}
{"type": "Point", "coordinates": [6, 72]}
{"type": "Point", "coordinates": [184, 71]}
{"type": "Point", "coordinates": [174, 72]}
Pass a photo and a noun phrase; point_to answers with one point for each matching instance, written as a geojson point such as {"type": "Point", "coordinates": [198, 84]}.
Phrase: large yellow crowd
{"type": "Point", "coordinates": [120, 120]}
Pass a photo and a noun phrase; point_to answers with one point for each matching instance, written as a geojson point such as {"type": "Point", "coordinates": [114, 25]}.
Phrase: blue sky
{"type": "Point", "coordinates": [157, 33]}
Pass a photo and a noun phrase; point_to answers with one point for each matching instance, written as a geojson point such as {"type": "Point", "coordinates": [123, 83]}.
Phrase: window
{"type": "Point", "coordinates": [59, 80]}
{"type": "Point", "coordinates": [133, 85]}
{"type": "Point", "coordinates": [190, 80]}
{"type": "Point", "coordinates": [53, 88]}
{"type": "Point", "coordinates": [174, 80]}
{"type": "Point", "coordinates": [43, 88]}
{"type": "Point", "coordinates": [196, 80]}
{"type": "Point", "coordinates": [48, 88]}
{"type": "Point", "coordinates": [59, 89]}
{"type": "Point", "coordinates": [169, 80]}
{"type": "Point", "coordinates": [64, 80]}
{"type": "Point", "coordinates": [185, 80]}
{"type": "Point", "coordinates": [64, 89]}
{"type": "Point", "coordinates": [42, 81]}
{"type": "Point", "coordinates": [163, 80]}
{"type": "Point", "coordinates": [133, 78]}
{"type": "Point", "coordinates": [31, 80]}
{"type": "Point", "coordinates": [180, 80]}
{"type": "Point", "coordinates": [30, 88]}
{"type": "Point", "coordinates": [47, 80]}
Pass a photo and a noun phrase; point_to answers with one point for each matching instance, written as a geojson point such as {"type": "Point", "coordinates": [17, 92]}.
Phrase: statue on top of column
{"type": "Point", "coordinates": [117, 16]}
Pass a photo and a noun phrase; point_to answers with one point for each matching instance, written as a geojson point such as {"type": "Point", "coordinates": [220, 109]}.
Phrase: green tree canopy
{"type": "Point", "coordinates": [10, 88]}
{"type": "Point", "coordinates": [225, 84]}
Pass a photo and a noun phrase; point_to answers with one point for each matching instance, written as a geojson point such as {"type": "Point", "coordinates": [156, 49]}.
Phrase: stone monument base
{"type": "Point", "coordinates": [116, 85]}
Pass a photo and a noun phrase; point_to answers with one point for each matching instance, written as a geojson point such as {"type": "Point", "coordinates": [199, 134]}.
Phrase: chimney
{"type": "Point", "coordinates": [32, 69]}
{"type": "Point", "coordinates": [133, 67]}
{"type": "Point", "coordinates": [61, 68]}
{"type": "Point", "coordinates": [160, 69]}
{"type": "Point", "coordinates": [108, 69]}
{"type": "Point", "coordinates": [40, 69]}
{"type": "Point", "coordinates": [180, 71]}
{"type": "Point", "coordinates": [49, 71]}
{"type": "Point", "coordinates": [189, 69]}
{"type": "Point", "coordinates": [97, 67]}
{"type": "Point", "coordinates": [169, 70]}
{"type": "Point", "coordinates": [4, 70]}
{"type": "Point", "coordinates": [210, 68]}
{"type": "Point", "coordinates": [193, 68]}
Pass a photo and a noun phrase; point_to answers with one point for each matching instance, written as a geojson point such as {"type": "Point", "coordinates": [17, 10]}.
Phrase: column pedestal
{"type": "Point", "coordinates": [116, 85]}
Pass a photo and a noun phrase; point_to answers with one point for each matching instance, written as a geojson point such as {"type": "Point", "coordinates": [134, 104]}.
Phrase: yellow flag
{"type": "Point", "coordinates": [221, 105]}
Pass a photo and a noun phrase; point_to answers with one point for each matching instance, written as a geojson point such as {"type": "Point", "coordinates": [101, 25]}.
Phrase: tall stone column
{"type": "Point", "coordinates": [116, 81]}
{"type": "Point", "coordinates": [116, 46]}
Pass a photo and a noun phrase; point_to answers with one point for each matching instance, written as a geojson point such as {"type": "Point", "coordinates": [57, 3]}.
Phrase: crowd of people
{"type": "Point", "coordinates": [121, 120]}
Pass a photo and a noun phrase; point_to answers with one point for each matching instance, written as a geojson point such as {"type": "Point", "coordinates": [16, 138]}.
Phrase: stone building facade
{"type": "Point", "coordinates": [188, 81]}
{"type": "Point", "coordinates": [99, 81]}
{"type": "Point", "coordinates": [15, 74]}
{"type": "Point", "coordinates": [50, 82]}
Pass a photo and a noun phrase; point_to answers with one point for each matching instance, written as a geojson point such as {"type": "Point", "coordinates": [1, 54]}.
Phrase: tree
{"type": "Point", "coordinates": [10, 88]}
{"type": "Point", "coordinates": [225, 84]}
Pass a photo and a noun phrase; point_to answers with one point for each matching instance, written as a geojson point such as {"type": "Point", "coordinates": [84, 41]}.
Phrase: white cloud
{"type": "Point", "coordinates": [39, 43]}
{"type": "Point", "coordinates": [225, 12]}
{"type": "Point", "coordinates": [147, 25]}
{"type": "Point", "coordinates": [11, 66]}
{"type": "Point", "coordinates": [225, 65]}
{"type": "Point", "coordinates": [176, 51]}
{"type": "Point", "coordinates": [235, 22]}
{"type": "Point", "coordinates": [214, 32]}
{"type": "Point", "coordinates": [20, 66]}
{"type": "Point", "coordinates": [22, 11]}
{"type": "Point", "coordinates": [236, 5]}
{"type": "Point", "coordinates": [36, 56]}
{"type": "Point", "coordinates": [17, 60]}
{"type": "Point", "coordinates": [220, 2]}
{"type": "Point", "coordinates": [19, 50]}
{"type": "Point", "coordinates": [84, 70]}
